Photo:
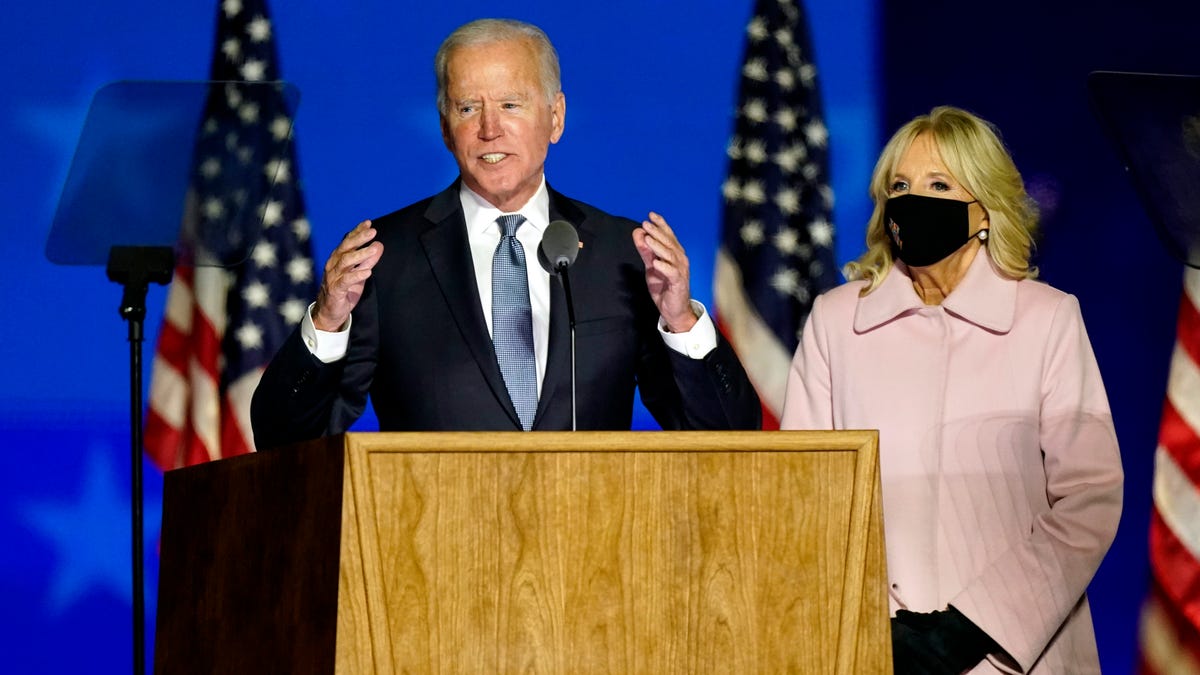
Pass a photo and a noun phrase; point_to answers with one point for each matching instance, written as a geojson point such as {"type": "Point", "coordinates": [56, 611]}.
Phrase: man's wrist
{"type": "Point", "coordinates": [682, 323]}
{"type": "Point", "coordinates": [322, 324]}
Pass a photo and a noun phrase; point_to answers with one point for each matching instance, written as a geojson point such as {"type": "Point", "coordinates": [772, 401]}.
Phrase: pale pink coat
{"type": "Point", "coordinates": [1000, 469]}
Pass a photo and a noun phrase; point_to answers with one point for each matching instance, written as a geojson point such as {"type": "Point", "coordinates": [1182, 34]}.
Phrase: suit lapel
{"type": "Point", "coordinates": [449, 254]}
{"type": "Point", "coordinates": [557, 380]}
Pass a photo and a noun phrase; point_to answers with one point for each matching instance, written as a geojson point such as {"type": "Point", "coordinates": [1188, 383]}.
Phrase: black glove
{"type": "Point", "coordinates": [937, 643]}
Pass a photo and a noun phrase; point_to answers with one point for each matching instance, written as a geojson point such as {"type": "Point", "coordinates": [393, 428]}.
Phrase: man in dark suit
{"type": "Point", "coordinates": [433, 311]}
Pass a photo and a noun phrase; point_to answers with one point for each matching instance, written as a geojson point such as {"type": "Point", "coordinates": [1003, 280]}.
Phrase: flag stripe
{"type": "Point", "coordinates": [765, 357]}
{"type": "Point", "coordinates": [1179, 440]}
{"type": "Point", "coordinates": [1188, 326]}
{"type": "Point", "coordinates": [1169, 644]}
{"type": "Point", "coordinates": [1177, 509]}
{"type": "Point", "coordinates": [1171, 618]}
{"type": "Point", "coordinates": [1175, 569]}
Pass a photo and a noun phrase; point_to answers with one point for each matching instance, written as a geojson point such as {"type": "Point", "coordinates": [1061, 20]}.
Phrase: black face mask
{"type": "Point", "coordinates": [925, 230]}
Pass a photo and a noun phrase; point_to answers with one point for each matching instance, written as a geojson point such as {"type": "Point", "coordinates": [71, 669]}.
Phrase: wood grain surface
{"type": "Point", "coordinates": [616, 553]}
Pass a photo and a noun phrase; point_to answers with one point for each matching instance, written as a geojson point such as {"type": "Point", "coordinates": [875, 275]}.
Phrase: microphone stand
{"type": "Point", "coordinates": [566, 280]}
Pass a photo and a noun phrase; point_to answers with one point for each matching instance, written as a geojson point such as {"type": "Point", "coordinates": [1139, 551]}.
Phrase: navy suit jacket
{"type": "Point", "coordinates": [420, 347]}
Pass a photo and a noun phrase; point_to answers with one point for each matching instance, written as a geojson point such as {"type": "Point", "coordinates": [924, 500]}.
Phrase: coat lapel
{"type": "Point", "coordinates": [449, 255]}
{"type": "Point", "coordinates": [557, 380]}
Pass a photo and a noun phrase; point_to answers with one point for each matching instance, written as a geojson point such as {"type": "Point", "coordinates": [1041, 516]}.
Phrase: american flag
{"type": "Point", "coordinates": [776, 250]}
{"type": "Point", "coordinates": [1170, 630]}
{"type": "Point", "coordinates": [223, 324]}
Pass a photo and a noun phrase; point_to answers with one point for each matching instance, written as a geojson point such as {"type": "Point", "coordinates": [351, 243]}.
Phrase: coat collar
{"type": "Point", "coordinates": [984, 297]}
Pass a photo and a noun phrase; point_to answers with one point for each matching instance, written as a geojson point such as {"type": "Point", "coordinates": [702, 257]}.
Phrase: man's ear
{"type": "Point", "coordinates": [447, 138]}
{"type": "Point", "coordinates": [558, 114]}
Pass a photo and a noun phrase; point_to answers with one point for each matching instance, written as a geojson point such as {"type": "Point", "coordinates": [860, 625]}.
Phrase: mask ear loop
{"type": "Point", "coordinates": [981, 235]}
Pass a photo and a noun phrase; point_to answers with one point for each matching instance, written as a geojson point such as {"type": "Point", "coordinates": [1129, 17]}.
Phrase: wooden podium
{"type": "Point", "coordinates": [588, 552]}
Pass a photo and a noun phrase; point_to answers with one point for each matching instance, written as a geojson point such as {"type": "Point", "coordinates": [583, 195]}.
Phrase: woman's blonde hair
{"type": "Point", "coordinates": [971, 149]}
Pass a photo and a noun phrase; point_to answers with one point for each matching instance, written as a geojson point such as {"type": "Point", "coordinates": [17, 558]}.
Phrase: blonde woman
{"type": "Point", "coordinates": [1001, 475]}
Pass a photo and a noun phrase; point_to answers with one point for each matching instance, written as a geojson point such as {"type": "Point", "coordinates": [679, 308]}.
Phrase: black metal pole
{"type": "Point", "coordinates": [566, 281]}
{"type": "Point", "coordinates": [135, 421]}
{"type": "Point", "coordinates": [135, 267]}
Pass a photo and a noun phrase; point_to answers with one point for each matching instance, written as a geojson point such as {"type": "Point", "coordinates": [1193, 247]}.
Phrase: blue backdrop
{"type": "Point", "coordinates": [650, 90]}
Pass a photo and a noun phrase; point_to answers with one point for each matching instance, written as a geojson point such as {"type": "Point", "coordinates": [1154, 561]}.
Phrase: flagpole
{"type": "Point", "coordinates": [135, 267]}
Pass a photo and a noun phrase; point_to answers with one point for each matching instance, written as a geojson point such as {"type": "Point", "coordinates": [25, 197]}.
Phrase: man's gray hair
{"type": "Point", "coordinates": [489, 31]}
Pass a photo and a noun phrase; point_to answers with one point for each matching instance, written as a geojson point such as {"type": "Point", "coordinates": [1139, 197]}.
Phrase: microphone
{"type": "Point", "coordinates": [557, 252]}
{"type": "Point", "coordinates": [559, 247]}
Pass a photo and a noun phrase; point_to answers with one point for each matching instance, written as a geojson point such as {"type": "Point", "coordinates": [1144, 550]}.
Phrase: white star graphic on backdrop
{"type": "Point", "coordinates": [232, 7]}
{"type": "Point", "coordinates": [90, 532]}
{"type": "Point", "coordinates": [56, 127]}
{"type": "Point", "coordinates": [785, 79]}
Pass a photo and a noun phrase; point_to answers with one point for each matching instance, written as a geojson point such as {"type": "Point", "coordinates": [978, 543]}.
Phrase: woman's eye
{"type": "Point", "coordinates": [898, 186]}
{"type": "Point", "coordinates": [940, 186]}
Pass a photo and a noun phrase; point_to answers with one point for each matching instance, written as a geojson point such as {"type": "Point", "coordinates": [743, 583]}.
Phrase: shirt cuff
{"type": "Point", "coordinates": [326, 346]}
{"type": "Point", "coordinates": [695, 343]}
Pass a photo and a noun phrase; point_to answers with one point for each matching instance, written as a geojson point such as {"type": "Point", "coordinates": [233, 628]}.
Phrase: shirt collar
{"type": "Point", "coordinates": [983, 297]}
{"type": "Point", "coordinates": [481, 216]}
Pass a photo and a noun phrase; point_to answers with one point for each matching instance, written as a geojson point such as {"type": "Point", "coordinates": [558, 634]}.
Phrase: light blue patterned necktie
{"type": "Point", "coordinates": [512, 320]}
